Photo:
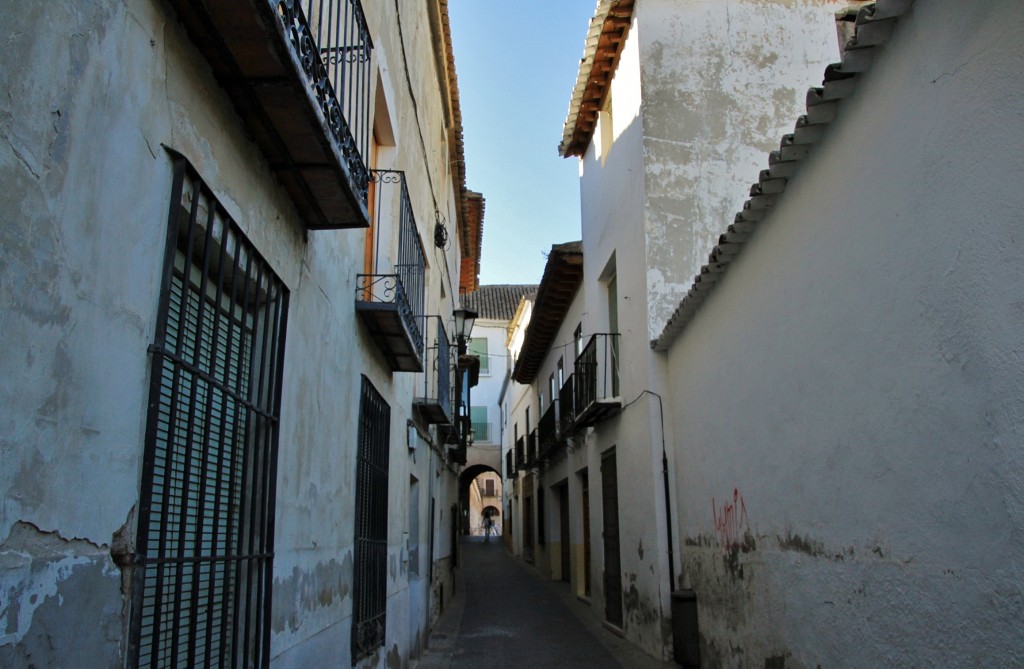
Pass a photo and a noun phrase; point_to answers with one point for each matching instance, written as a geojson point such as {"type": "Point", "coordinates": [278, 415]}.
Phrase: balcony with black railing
{"type": "Point", "coordinates": [596, 391]}
{"type": "Point", "coordinates": [549, 432]}
{"type": "Point", "coordinates": [390, 302]}
{"type": "Point", "coordinates": [521, 453]}
{"type": "Point", "coordinates": [301, 75]}
{"type": "Point", "coordinates": [433, 397]}
{"type": "Point", "coordinates": [566, 407]}
{"type": "Point", "coordinates": [532, 442]}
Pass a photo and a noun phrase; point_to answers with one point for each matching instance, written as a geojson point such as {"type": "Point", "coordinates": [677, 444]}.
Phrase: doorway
{"type": "Point", "coordinates": [585, 503]}
{"type": "Point", "coordinates": [563, 532]}
{"type": "Point", "coordinates": [612, 562]}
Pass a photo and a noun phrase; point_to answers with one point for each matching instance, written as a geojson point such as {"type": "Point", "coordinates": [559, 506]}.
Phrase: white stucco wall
{"type": "Point", "coordinates": [721, 82]}
{"type": "Point", "coordinates": [849, 403]}
{"type": "Point", "coordinates": [93, 92]}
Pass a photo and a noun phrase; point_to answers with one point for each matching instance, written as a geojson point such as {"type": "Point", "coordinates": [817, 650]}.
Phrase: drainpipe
{"type": "Point", "coordinates": [668, 498]}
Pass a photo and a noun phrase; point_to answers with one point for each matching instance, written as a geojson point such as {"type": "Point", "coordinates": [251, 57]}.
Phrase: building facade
{"type": "Point", "coordinates": [494, 306]}
{"type": "Point", "coordinates": [846, 386]}
{"type": "Point", "coordinates": [231, 254]}
{"type": "Point", "coordinates": [673, 106]}
{"type": "Point", "coordinates": [793, 404]}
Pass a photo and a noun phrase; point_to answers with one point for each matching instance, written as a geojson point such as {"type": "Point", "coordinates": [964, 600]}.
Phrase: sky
{"type": "Point", "coordinates": [516, 65]}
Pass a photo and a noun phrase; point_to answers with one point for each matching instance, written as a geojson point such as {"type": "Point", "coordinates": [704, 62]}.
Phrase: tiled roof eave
{"type": "Point", "coordinates": [563, 275]}
{"type": "Point", "coordinates": [575, 138]}
{"type": "Point", "coordinates": [874, 25]}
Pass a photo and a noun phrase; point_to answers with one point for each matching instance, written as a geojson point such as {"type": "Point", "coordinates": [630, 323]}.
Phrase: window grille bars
{"type": "Point", "coordinates": [204, 562]}
{"type": "Point", "coordinates": [369, 591]}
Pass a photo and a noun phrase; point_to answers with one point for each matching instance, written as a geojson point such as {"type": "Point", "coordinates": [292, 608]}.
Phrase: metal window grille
{"type": "Point", "coordinates": [201, 586]}
{"type": "Point", "coordinates": [369, 591]}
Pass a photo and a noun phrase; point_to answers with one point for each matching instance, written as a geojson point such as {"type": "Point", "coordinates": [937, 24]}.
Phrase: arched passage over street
{"type": "Point", "coordinates": [480, 488]}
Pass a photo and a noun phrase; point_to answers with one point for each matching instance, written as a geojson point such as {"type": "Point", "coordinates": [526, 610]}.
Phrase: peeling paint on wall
{"type": "Point", "coordinates": [303, 592]}
{"type": "Point", "coordinates": [42, 574]}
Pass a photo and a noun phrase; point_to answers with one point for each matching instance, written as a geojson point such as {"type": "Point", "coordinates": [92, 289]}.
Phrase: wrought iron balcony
{"type": "Point", "coordinates": [457, 433]}
{"type": "Point", "coordinates": [549, 432]}
{"type": "Point", "coordinates": [390, 303]}
{"type": "Point", "coordinates": [385, 308]}
{"type": "Point", "coordinates": [521, 453]}
{"type": "Point", "coordinates": [531, 449]}
{"type": "Point", "coordinates": [300, 73]}
{"type": "Point", "coordinates": [596, 392]}
{"type": "Point", "coordinates": [434, 395]}
{"type": "Point", "coordinates": [566, 407]}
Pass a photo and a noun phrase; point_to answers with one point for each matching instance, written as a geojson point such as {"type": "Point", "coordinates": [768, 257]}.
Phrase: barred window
{"type": "Point", "coordinates": [201, 588]}
{"type": "Point", "coordinates": [369, 588]}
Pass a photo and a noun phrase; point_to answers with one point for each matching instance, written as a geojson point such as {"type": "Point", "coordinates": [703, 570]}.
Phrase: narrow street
{"type": "Point", "coordinates": [505, 615]}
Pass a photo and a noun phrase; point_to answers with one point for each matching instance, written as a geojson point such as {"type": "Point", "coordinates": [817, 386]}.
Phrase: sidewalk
{"type": "Point", "coordinates": [504, 615]}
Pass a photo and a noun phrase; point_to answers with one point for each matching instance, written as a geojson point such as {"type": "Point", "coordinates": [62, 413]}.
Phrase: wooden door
{"type": "Point", "coordinates": [563, 530]}
{"type": "Point", "coordinates": [612, 564]}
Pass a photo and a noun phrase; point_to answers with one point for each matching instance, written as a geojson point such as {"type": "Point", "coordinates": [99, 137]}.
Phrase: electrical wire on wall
{"type": "Point", "coordinates": [664, 474]}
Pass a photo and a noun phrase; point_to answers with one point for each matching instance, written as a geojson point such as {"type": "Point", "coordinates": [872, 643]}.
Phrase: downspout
{"type": "Point", "coordinates": [668, 499]}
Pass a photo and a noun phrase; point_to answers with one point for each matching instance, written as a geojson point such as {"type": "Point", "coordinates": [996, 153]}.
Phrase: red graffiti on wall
{"type": "Point", "coordinates": [731, 524]}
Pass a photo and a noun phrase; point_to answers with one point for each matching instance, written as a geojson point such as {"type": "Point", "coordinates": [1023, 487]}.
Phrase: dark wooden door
{"type": "Point", "coordinates": [563, 530]}
{"type": "Point", "coordinates": [612, 564]}
{"type": "Point", "coordinates": [586, 532]}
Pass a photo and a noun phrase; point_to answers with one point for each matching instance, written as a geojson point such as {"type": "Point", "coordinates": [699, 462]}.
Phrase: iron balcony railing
{"type": "Point", "coordinates": [391, 299]}
{"type": "Point", "coordinates": [333, 46]}
{"type": "Point", "coordinates": [548, 431]}
{"type": "Point", "coordinates": [531, 448]}
{"type": "Point", "coordinates": [566, 406]}
{"type": "Point", "coordinates": [301, 74]}
{"type": "Point", "coordinates": [596, 392]}
{"type": "Point", "coordinates": [434, 395]}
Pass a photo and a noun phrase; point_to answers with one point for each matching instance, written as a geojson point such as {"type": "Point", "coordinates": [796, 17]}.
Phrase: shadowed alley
{"type": "Point", "coordinates": [505, 615]}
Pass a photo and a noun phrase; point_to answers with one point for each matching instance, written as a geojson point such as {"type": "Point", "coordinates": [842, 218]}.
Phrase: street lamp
{"type": "Point", "coordinates": [464, 319]}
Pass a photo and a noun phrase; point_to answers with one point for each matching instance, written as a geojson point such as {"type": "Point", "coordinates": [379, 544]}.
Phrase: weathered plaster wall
{"type": "Point", "coordinates": [92, 93]}
{"type": "Point", "coordinates": [722, 81]}
{"type": "Point", "coordinates": [849, 402]}
{"type": "Point", "coordinates": [612, 211]}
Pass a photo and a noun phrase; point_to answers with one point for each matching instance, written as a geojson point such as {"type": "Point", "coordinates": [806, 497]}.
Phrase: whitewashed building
{"type": "Point", "coordinates": [674, 106]}
{"type": "Point", "coordinates": [846, 386]}
{"type": "Point", "coordinates": [231, 248]}
{"type": "Point", "coordinates": [803, 438]}
{"type": "Point", "coordinates": [494, 306]}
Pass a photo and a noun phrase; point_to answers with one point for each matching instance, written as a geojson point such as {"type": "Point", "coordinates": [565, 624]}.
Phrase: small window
{"type": "Point", "coordinates": [478, 347]}
{"type": "Point", "coordinates": [577, 338]}
{"type": "Point", "coordinates": [481, 426]}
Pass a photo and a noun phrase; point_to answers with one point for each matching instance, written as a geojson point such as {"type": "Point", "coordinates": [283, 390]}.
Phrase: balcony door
{"type": "Point", "coordinates": [613, 328]}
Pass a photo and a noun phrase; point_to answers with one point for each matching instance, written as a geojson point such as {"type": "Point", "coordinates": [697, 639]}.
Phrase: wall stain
{"type": "Point", "coordinates": [327, 585]}
{"type": "Point", "coordinates": [794, 542]}
{"type": "Point", "coordinates": [394, 658]}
